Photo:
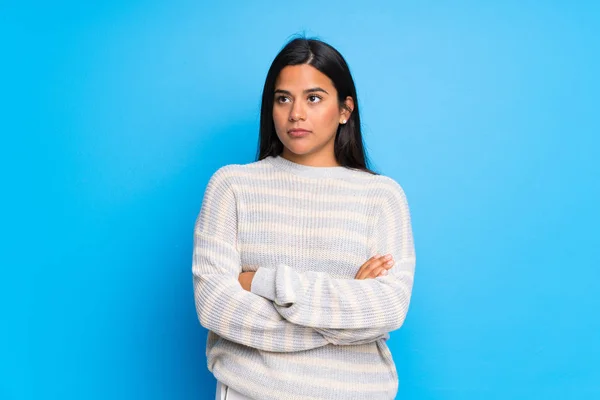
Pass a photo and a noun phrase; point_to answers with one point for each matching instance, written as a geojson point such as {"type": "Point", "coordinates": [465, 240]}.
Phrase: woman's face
{"type": "Point", "coordinates": [305, 98]}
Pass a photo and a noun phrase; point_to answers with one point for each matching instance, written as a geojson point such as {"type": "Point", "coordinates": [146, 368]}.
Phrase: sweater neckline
{"type": "Point", "coordinates": [309, 171]}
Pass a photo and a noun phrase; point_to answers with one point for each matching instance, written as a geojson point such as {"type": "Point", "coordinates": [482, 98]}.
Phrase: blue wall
{"type": "Point", "coordinates": [114, 116]}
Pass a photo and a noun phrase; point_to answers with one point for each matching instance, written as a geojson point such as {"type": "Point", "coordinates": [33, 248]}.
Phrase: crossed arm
{"type": "Point", "coordinates": [291, 311]}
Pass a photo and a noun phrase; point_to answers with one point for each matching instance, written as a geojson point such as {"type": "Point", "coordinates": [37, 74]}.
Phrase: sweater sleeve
{"type": "Point", "coordinates": [375, 306]}
{"type": "Point", "coordinates": [222, 305]}
{"type": "Point", "coordinates": [350, 337]}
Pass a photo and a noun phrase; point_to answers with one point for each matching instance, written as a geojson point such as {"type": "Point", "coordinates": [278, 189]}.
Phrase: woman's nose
{"type": "Point", "coordinates": [297, 112]}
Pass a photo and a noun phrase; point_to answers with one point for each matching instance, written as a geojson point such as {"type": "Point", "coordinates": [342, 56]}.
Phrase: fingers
{"type": "Point", "coordinates": [382, 270]}
{"type": "Point", "coordinates": [375, 266]}
{"type": "Point", "coordinates": [363, 271]}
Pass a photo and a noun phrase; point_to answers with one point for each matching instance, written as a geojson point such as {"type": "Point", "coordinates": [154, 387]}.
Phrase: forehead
{"type": "Point", "coordinates": [303, 76]}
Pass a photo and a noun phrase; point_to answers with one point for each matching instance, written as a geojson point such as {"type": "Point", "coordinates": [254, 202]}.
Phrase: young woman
{"type": "Point", "coordinates": [280, 279]}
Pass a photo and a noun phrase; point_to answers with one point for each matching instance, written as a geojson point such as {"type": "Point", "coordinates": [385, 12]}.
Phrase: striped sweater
{"type": "Point", "coordinates": [307, 329]}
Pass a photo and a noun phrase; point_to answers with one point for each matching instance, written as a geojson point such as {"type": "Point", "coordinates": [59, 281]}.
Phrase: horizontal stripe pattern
{"type": "Point", "coordinates": [308, 329]}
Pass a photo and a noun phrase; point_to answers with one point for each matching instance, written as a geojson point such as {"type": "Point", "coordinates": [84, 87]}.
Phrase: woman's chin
{"type": "Point", "coordinates": [299, 149]}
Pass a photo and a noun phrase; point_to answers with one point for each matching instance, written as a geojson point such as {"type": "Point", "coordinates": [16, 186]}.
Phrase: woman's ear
{"type": "Point", "coordinates": [346, 110]}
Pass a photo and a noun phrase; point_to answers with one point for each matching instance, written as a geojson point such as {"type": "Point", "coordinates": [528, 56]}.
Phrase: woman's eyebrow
{"type": "Point", "coordinates": [315, 89]}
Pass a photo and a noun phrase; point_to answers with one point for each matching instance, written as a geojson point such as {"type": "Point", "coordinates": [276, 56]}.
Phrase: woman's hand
{"type": "Point", "coordinates": [375, 266]}
{"type": "Point", "coordinates": [245, 279]}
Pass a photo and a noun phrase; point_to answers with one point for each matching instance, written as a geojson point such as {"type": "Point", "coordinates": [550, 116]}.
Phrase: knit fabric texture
{"type": "Point", "coordinates": [307, 329]}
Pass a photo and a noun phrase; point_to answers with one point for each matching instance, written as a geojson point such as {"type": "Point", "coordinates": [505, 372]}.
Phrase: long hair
{"type": "Point", "coordinates": [348, 146]}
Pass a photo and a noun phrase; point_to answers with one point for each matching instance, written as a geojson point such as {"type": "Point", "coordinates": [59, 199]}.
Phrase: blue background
{"type": "Point", "coordinates": [114, 115]}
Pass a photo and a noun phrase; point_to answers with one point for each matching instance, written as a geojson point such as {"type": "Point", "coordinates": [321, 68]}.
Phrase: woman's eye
{"type": "Point", "coordinates": [311, 98]}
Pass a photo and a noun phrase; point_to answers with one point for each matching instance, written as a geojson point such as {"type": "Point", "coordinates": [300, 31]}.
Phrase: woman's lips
{"type": "Point", "coordinates": [298, 133]}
